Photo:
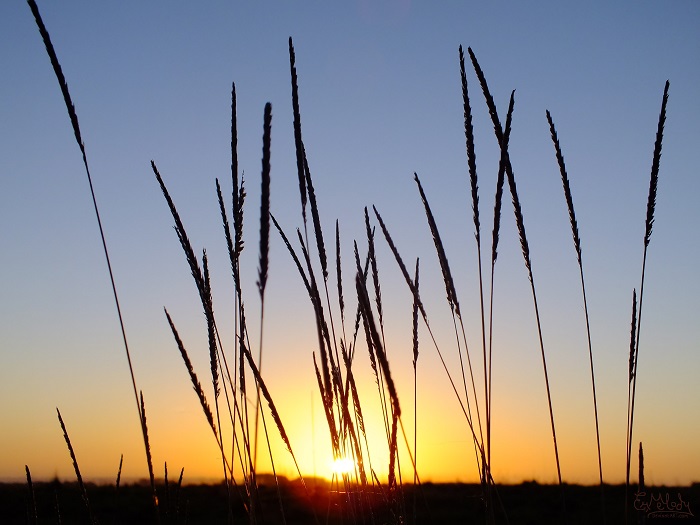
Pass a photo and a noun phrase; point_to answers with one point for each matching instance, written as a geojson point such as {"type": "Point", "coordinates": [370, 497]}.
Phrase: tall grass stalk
{"type": "Point", "coordinates": [498, 201]}
{"type": "Point", "coordinates": [651, 206]}
{"type": "Point", "coordinates": [264, 256]}
{"type": "Point", "coordinates": [474, 185]}
{"type": "Point", "coordinates": [577, 246]}
{"type": "Point", "coordinates": [78, 138]}
{"type": "Point", "coordinates": [149, 457]}
{"type": "Point", "coordinates": [415, 387]}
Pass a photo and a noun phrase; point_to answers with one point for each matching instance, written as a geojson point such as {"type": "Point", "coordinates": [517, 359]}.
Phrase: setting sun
{"type": "Point", "coordinates": [341, 466]}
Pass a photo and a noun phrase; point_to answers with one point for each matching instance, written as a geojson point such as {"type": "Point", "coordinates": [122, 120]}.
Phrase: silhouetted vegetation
{"type": "Point", "coordinates": [358, 496]}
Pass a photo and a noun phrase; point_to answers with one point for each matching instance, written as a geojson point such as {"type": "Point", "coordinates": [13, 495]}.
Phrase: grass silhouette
{"type": "Point", "coordinates": [358, 496]}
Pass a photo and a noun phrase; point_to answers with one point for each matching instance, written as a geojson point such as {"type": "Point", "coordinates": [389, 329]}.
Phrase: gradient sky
{"type": "Point", "coordinates": [380, 98]}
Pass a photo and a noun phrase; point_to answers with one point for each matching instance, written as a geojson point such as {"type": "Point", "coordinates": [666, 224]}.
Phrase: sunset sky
{"type": "Point", "coordinates": [380, 99]}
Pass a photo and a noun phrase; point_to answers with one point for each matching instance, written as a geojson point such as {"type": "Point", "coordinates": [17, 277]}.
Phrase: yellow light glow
{"type": "Point", "coordinates": [343, 466]}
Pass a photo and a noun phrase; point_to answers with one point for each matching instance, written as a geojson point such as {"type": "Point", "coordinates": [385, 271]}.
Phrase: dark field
{"type": "Point", "coordinates": [527, 503]}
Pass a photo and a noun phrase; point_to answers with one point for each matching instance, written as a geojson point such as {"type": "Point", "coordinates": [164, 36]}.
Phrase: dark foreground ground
{"type": "Point", "coordinates": [527, 503]}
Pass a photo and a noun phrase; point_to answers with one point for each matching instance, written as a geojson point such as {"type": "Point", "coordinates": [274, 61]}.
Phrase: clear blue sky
{"type": "Point", "coordinates": [380, 98]}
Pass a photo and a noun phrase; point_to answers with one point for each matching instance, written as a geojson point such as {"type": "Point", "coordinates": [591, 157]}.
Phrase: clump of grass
{"type": "Point", "coordinates": [525, 248]}
{"type": "Point", "coordinates": [244, 445]}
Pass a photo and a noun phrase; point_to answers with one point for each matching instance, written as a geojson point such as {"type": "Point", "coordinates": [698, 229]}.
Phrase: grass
{"type": "Point", "coordinates": [358, 496]}
{"type": "Point", "coordinates": [448, 503]}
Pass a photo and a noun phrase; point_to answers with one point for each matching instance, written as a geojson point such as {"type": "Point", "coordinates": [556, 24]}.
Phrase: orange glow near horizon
{"type": "Point", "coordinates": [522, 445]}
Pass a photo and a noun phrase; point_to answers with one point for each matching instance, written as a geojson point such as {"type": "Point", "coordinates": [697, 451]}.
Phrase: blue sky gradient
{"type": "Point", "coordinates": [380, 99]}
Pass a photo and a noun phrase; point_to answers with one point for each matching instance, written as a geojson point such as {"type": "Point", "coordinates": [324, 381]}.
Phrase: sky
{"type": "Point", "coordinates": [380, 99]}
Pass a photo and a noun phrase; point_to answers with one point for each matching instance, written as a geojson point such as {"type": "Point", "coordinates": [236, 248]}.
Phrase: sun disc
{"type": "Point", "coordinates": [343, 466]}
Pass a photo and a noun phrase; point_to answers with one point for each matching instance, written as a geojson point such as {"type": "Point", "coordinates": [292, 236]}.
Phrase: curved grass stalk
{"type": "Point", "coordinates": [651, 206]}
{"type": "Point", "coordinates": [76, 131]}
{"type": "Point", "coordinates": [577, 247]}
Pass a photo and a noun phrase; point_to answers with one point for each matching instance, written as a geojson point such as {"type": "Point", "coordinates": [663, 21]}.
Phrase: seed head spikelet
{"type": "Point", "coordinates": [338, 272]}
{"type": "Point", "coordinates": [399, 261]}
{"type": "Point", "coordinates": [633, 337]}
{"type": "Point", "coordinates": [193, 376]}
{"type": "Point", "coordinates": [393, 449]}
{"type": "Point", "coordinates": [498, 201]}
{"type": "Point", "coordinates": [292, 253]}
{"type": "Point", "coordinates": [368, 316]}
{"type": "Point", "coordinates": [327, 398]}
{"type": "Point", "coordinates": [442, 257]}
{"type": "Point", "coordinates": [182, 235]}
{"type": "Point", "coordinates": [268, 398]}
{"type": "Point", "coordinates": [375, 272]}
{"type": "Point", "coordinates": [651, 201]}
{"type": "Point", "coordinates": [76, 468]}
{"type": "Point", "coordinates": [238, 218]}
{"type": "Point", "coordinates": [297, 130]}
{"type": "Point", "coordinates": [234, 147]}
{"type": "Point", "coordinates": [149, 457]}
{"type": "Point", "coordinates": [415, 318]}
{"type": "Point", "coordinates": [365, 273]}
{"type": "Point", "coordinates": [567, 189]}
{"type": "Point", "coordinates": [518, 212]}
{"type": "Point", "coordinates": [211, 327]}
{"type": "Point", "coordinates": [320, 245]}
{"type": "Point", "coordinates": [227, 234]}
{"type": "Point", "coordinates": [505, 160]}
{"type": "Point", "coordinates": [487, 96]}
{"type": "Point", "coordinates": [471, 152]}
{"type": "Point", "coordinates": [59, 73]}
{"type": "Point", "coordinates": [265, 204]}
{"type": "Point", "coordinates": [321, 327]}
